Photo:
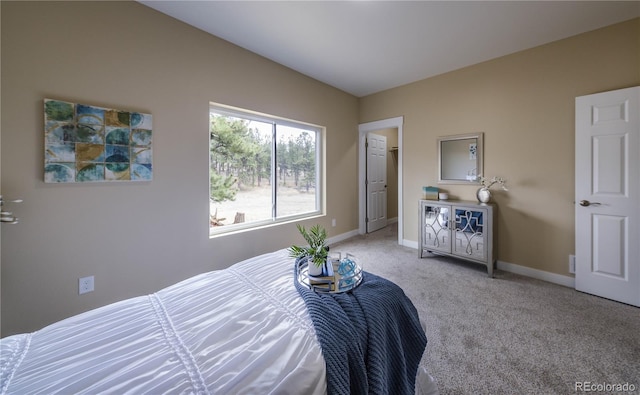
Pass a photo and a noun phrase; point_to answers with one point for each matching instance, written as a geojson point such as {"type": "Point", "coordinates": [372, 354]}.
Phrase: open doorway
{"type": "Point", "coordinates": [392, 128]}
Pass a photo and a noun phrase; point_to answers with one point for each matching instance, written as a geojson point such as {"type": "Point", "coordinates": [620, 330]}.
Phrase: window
{"type": "Point", "coordinates": [262, 169]}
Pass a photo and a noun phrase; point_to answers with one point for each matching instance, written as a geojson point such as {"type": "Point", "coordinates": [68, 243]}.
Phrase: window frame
{"type": "Point", "coordinates": [320, 131]}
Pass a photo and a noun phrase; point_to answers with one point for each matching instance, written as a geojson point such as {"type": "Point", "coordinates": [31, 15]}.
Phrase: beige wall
{"type": "Point", "coordinates": [524, 104]}
{"type": "Point", "coordinates": [138, 237]}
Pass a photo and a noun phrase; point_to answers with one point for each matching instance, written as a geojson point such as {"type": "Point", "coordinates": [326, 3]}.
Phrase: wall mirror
{"type": "Point", "coordinates": [460, 158]}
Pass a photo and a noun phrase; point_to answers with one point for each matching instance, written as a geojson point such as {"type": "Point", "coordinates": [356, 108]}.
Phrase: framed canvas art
{"type": "Point", "coordinates": [86, 143]}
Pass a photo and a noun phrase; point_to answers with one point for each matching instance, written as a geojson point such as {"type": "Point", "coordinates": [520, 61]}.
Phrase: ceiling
{"type": "Point", "coordinates": [363, 47]}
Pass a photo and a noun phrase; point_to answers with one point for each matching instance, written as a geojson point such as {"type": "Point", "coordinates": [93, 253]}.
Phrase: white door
{"type": "Point", "coordinates": [376, 182]}
{"type": "Point", "coordinates": [607, 194]}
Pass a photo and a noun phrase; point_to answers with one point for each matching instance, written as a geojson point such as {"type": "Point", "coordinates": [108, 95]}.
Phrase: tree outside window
{"type": "Point", "coordinates": [262, 170]}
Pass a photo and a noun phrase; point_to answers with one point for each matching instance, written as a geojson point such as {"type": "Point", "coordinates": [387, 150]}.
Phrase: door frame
{"type": "Point", "coordinates": [363, 129]}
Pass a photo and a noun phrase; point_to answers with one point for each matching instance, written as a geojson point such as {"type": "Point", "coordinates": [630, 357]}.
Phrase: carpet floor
{"type": "Point", "coordinates": [509, 334]}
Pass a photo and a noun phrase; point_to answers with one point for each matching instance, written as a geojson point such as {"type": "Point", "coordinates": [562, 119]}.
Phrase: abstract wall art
{"type": "Point", "coordinates": [86, 143]}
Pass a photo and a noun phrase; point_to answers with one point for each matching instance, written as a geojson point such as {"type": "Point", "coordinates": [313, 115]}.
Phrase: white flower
{"type": "Point", "coordinates": [488, 183]}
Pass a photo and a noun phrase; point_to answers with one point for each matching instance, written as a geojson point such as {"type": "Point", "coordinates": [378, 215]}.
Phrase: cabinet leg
{"type": "Point", "coordinates": [490, 269]}
{"type": "Point", "coordinates": [423, 251]}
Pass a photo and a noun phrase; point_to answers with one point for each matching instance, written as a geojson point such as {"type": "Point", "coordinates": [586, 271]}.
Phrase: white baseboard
{"type": "Point", "coordinates": [521, 270]}
{"type": "Point", "coordinates": [537, 274]}
{"type": "Point", "coordinates": [342, 236]}
{"type": "Point", "coordinates": [410, 244]}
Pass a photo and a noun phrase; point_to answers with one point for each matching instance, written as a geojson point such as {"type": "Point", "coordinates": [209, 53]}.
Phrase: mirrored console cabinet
{"type": "Point", "coordinates": [459, 229]}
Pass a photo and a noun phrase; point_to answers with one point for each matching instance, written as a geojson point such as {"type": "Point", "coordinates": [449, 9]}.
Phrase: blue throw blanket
{"type": "Point", "coordinates": [370, 337]}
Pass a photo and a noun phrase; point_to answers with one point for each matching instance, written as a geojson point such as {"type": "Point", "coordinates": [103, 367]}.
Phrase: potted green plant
{"type": "Point", "coordinates": [317, 251]}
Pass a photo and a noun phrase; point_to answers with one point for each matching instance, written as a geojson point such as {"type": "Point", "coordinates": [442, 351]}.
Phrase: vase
{"type": "Point", "coordinates": [483, 195]}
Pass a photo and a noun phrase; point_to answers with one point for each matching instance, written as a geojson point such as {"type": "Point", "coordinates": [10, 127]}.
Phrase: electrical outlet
{"type": "Point", "coordinates": [85, 284]}
{"type": "Point", "coordinates": [572, 264]}
{"type": "Point", "coordinates": [333, 222]}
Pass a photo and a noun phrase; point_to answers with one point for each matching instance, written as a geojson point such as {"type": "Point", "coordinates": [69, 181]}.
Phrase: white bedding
{"type": "Point", "coordinates": [242, 330]}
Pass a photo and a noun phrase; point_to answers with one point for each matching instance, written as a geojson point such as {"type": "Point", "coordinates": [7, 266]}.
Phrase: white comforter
{"type": "Point", "coordinates": [243, 330]}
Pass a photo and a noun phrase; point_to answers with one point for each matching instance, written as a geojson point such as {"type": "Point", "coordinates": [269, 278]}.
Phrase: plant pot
{"type": "Point", "coordinates": [314, 270]}
{"type": "Point", "coordinates": [483, 195]}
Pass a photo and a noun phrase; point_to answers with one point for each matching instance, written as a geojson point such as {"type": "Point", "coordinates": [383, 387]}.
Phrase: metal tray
{"type": "Point", "coordinates": [345, 274]}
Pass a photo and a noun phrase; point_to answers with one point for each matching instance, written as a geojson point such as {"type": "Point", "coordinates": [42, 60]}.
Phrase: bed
{"type": "Point", "coordinates": [242, 330]}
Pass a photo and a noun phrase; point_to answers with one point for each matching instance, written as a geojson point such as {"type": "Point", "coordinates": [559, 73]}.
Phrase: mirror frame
{"type": "Point", "coordinates": [479, 157]}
